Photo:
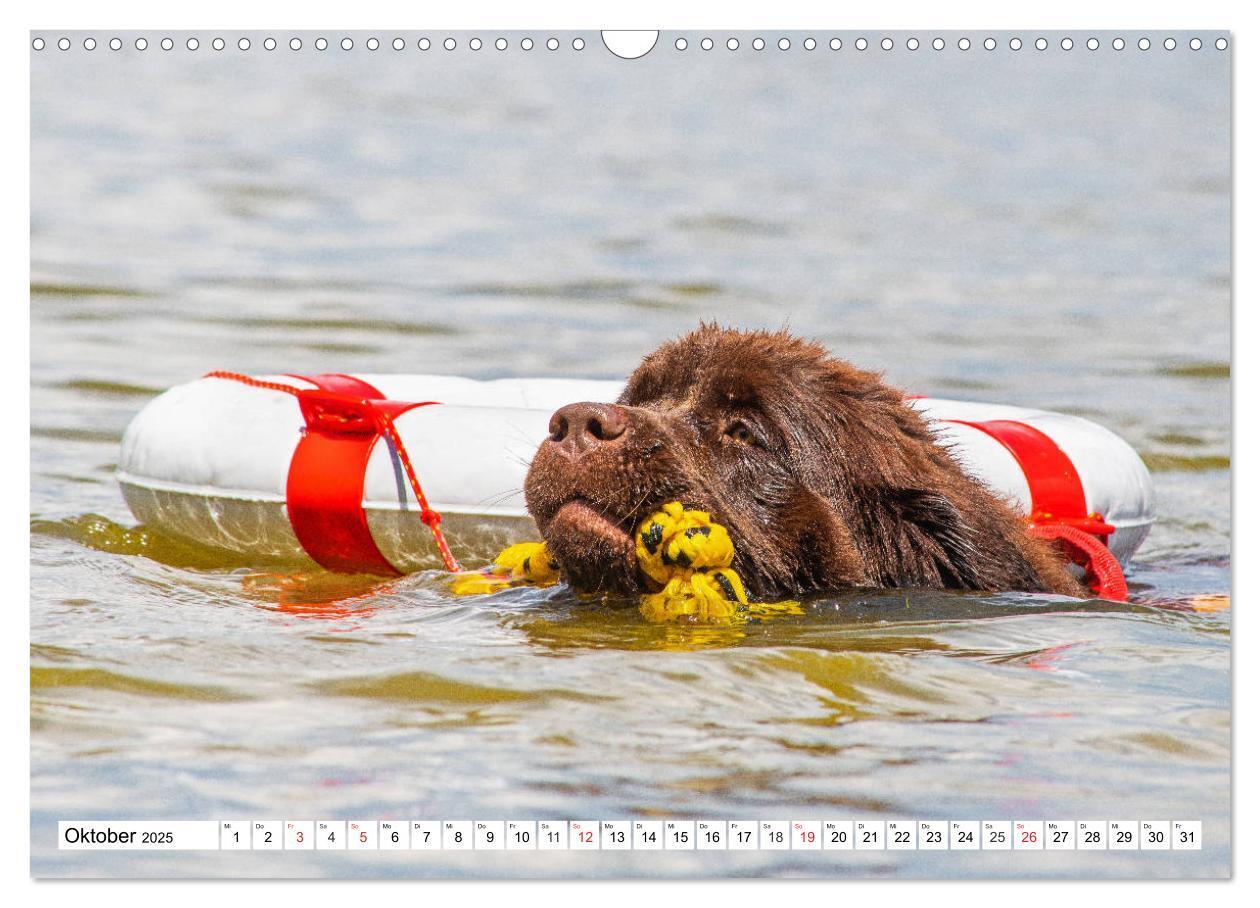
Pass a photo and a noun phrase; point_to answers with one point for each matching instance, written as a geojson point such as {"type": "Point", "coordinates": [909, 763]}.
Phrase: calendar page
{"type": "Point", "coordinates": [679, 454]}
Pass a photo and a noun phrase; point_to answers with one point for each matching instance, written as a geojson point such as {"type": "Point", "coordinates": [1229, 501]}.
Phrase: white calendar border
{"type": "Point", "coordinates": [1067, 14]}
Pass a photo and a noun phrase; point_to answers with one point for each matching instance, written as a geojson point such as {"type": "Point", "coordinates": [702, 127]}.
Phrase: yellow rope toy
{"type": "Point", "coordinates": [690, 557]}
{"type": "Point", "coordinates": [682, 551]}
{"type": "Point", "coordinates": [525, 562]}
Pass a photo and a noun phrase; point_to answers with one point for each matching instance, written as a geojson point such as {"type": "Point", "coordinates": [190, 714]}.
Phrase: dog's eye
{"type": "Point", "coordinates": [741, 433]}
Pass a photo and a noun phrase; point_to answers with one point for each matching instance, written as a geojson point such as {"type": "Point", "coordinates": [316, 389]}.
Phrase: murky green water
{"type": "Point", "coordinates": [1048, 230]}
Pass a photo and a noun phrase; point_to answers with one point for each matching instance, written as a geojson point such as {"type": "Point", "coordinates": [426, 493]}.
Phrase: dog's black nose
{"type": "Point", "coordinates": [578, 427]}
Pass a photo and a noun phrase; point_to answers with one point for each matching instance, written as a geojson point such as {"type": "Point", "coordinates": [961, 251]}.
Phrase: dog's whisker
{"type": "Point", "coordinates": [491, 500]}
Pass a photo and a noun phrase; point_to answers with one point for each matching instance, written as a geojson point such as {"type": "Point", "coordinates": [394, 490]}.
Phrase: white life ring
{"type": "Point", "coordinates": [215, 462]}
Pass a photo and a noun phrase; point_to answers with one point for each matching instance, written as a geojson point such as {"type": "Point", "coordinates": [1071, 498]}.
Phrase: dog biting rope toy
{"type": "Point", "coordinates": [682, 551]}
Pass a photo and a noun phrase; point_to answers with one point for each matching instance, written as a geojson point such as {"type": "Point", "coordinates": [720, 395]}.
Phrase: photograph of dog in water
{"type": "Point", "coordinates": [741, 440]}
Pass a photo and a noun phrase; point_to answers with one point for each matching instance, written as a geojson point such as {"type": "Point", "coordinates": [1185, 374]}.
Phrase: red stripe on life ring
{"type": "Point", "coordinates": [1059, 510]}
{"type": "Point", "coordinates": [1053, 483]}
{"type": "Point", "coordinates": [324, 491]}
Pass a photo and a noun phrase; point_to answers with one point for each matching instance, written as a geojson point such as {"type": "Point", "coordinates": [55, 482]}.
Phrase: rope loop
{"type": "Point", "coordinates": [1103, 572]}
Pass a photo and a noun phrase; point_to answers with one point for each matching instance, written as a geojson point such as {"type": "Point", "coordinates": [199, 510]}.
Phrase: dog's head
{"type": "Point", "coordinates": [821, 473]}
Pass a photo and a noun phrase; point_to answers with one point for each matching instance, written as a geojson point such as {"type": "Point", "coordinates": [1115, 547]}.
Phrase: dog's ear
{"type": "Point", "coordinates": [920, 537]}
{"type": "Point", "coordinates": [824, 554]}
{"type": "Point", "coordinates": [952, 549]}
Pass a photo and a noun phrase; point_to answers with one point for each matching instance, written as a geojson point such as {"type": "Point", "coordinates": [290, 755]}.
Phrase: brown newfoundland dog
{"type": "Point", "coordinates": [825, 479]}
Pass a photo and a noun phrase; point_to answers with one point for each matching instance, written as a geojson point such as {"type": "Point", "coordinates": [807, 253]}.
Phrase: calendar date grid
{"type": "Point", "coordinates": [632, 835]}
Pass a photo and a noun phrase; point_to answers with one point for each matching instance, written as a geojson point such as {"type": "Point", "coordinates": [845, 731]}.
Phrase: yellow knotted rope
{"type": "Point", "coordinates": [682, 551]}
{"type": "Point", "coordinates": [690, 557]}
{"type": "Point", "coordinates": [525, 562]}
